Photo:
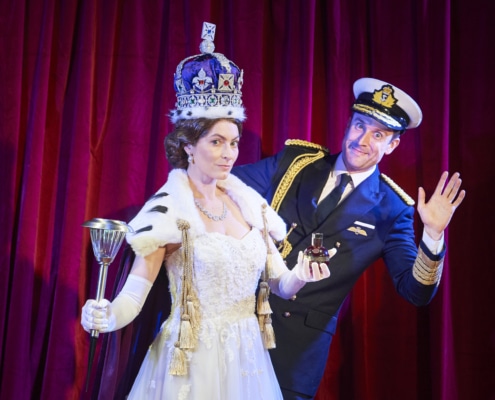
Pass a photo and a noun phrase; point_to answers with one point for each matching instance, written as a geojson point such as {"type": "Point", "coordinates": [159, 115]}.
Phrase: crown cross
{"type": "Point", "coordinates": [208, 36]}
{"type": "Point", "coordinates": [208, 32]}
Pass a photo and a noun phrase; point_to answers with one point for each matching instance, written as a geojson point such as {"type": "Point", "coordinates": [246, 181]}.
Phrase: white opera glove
{"type": "Point", "coordinates": [290, 282]}
{"type": "Point", "coordinates": [107, 317]}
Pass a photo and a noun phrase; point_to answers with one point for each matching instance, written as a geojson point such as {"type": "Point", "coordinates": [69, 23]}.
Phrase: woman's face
{"type": "Point", "coordinates": [215, 153]}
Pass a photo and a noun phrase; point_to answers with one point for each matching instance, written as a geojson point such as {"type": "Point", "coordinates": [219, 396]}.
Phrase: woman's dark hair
{"type": "Point", "coordinates": [189, 131]}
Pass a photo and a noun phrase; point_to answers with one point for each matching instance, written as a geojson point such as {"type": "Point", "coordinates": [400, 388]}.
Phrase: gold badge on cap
{"type": "Point", "coordinates": [385, 96]}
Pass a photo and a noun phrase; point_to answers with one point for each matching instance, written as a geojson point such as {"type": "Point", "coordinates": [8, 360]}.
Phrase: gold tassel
{"type": "Point", "coordinates": [178, 365]}
{"type": "Point", "coordinates": [268, 334]}
{"type": "Point", "coordinates": [186, 337]}
{"type": "Point", "coordinates": [263, 306]}
{"type": "Point", "coordinates": [269, 265]}
{"type": "Point", "coordinates": [261, 322]}
{"type": "Point", "coordinates": [191, 311]}
{"type": "Point", "coordinates": [189, 324]}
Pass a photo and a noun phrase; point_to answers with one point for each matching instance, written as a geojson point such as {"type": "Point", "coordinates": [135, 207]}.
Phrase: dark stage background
{"type": "Point", "coordinates": [85, 87]}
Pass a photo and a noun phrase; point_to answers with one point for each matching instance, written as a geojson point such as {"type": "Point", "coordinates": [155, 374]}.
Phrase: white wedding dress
{"type": "Point", "coordinates": [229, 361]}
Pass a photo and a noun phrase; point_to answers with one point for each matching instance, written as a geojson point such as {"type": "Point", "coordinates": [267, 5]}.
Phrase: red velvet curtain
{"type": "Point", "coordinates": [85, 88]}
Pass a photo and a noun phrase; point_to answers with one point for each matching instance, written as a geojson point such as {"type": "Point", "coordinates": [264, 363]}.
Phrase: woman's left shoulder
{"type": "Point", "coordinates": [252, 204]}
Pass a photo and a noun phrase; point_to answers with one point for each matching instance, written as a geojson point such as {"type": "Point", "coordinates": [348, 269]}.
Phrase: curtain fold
{"type": "Point", "coordinates": [85, 90]}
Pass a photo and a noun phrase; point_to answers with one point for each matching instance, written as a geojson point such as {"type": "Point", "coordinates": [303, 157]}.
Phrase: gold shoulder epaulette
{"type": "Point", "coordinates": [305, 143]}
{"type": "Point", "coordinates": [397, 189]}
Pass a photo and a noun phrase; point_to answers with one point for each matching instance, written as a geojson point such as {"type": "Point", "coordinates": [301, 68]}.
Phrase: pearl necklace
{"type": "Point", "coordinates": [209, 214]}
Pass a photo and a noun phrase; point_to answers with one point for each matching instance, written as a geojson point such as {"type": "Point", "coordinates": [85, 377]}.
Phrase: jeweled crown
{"type": "Point", "coordinates": [208, 85]}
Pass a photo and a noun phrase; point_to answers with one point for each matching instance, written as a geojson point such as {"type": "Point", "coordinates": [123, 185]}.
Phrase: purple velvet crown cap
{"type": "Point", "coordinates": [208, 85]}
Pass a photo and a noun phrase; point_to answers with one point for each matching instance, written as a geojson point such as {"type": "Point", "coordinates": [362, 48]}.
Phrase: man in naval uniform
{"type": "Point", "coordinates": [373, 219]}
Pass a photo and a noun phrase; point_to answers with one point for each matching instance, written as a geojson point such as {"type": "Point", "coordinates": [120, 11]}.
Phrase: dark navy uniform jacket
{"type": "Point", "coordinates": [374, 221]}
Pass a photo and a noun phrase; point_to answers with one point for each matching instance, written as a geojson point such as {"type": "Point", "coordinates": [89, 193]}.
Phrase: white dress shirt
{"type": "Point", "coordinates": [435, 246]}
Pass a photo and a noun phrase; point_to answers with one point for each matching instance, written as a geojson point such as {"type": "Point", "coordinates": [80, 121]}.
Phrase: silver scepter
{"type": "Point", "coordinates": [106, 237]}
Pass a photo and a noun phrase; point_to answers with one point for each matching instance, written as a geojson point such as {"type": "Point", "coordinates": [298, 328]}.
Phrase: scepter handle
{"type": "Point", "coordinates": [100, 290]}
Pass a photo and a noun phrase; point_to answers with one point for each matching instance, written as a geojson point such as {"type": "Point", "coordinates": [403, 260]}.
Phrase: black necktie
{"type": "Point", "coordinates": [327, 205]}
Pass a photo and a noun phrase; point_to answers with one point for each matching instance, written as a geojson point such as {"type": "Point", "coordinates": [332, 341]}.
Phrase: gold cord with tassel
{"type": "Point", "coordinates": [189, 323]}
{"type": "Point", "coordinates": [268, 333]}
{"type": "Point", "coordinates": [263, 308]}
{"type": "Point", "coordinates": [178, 362]}
{"type": "Point", "coordinates": [263, 305]}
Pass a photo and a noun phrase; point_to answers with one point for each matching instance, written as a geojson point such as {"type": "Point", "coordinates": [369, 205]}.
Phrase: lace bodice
{"type": "Point", "coordinates": [226, 273]}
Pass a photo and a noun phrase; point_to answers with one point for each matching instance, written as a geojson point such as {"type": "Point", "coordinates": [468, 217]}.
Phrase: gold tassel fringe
{"type": "Point", "coordinates": [263, 308]}
{"type": "Point", "coordinates": [191, 311]}
{"type": "Point", "coordinates": [189, 325]}
{"type": "Point", "coordinates": [261, 322]}
{"type": "Point", "coordinates": [269, 265]}
{"type": "Point", "coordinates": [178, 365]}
{"type": "Point", "coordinates": [268, 334]}
{"type": "Point", "coordinates": [186, 338]}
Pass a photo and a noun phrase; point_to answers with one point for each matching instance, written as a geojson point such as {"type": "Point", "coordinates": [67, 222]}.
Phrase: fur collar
{"type": "Point", "coordinates": [155, 224]}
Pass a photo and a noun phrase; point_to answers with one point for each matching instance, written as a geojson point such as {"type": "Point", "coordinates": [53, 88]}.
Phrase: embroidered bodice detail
{"type": "Point", "coordinates": [226, 273]}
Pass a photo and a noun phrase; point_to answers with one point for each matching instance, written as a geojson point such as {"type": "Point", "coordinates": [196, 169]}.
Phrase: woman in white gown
{"type": "Point", "coordinates": [215, 235]}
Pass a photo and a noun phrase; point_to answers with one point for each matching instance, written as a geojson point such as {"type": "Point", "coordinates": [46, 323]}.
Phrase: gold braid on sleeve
{"type": "Point", "coordinates": [427, 271]}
